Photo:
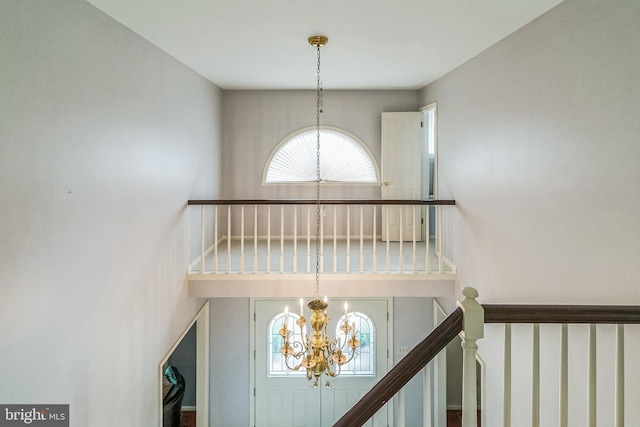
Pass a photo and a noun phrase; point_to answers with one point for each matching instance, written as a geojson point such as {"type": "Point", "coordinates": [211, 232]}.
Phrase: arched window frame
{"type": "Point", "coordinates": [347, 134]}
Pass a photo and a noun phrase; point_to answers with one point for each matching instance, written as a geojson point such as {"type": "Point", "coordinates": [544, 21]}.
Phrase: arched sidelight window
{"type": "Point", "coordinates": [343, 159]}
{"type": "Point", "coordinates": [276, 363]}
{"type": "Point", "coordinates": [364, 362]}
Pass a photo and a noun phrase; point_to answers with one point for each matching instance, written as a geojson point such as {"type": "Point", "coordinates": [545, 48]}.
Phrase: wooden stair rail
{"type": "Point", "coordinates": [586, 314]}
{"type": "Point", "coordinates": [406, 369]}
{"type": "Point", "coordinates": [323, 202]}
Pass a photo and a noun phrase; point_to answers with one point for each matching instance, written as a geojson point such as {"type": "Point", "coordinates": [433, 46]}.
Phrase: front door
{"type": "Point", "coordinates": [285, 398]}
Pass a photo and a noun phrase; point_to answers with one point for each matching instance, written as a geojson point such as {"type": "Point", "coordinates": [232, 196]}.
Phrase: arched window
{"type": "Point", "coordinates": [364, 362]}
{"type": "Point", "coordinates": [343, 158]}
{"type": "Point", "coordinates": [361, 365]}
{"type": "Point", "coordinates": [276, 365]}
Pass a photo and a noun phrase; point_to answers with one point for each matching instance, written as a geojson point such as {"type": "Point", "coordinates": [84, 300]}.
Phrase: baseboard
{"type": "Point", "coordinates": [449, 264]}
{"type": "Point", "coordinates": [188, 408]}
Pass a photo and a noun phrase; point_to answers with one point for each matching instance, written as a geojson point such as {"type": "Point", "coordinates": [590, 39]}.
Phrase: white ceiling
{"type": "Point", "coordinates": [373, 44]}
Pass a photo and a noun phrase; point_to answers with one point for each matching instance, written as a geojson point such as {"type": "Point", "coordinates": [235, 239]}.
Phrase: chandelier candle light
{"type": "Point", "coordinates": [315, 352]}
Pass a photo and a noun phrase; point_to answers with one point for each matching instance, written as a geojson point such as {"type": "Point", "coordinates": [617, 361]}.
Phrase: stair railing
{"type": "Point", "coordinates": [468, 321]}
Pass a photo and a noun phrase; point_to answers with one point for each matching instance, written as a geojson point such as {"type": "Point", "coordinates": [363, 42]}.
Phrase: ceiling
{"type": "Point", "coordinates": [373, 44]}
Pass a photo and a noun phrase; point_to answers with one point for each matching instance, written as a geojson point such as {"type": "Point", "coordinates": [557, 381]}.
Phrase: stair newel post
{"type": "Point", "coordinates": [472, 330]}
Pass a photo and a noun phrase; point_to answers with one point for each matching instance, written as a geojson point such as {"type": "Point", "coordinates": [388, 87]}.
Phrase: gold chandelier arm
{"type": "Point", "coordinates": [291, 368]}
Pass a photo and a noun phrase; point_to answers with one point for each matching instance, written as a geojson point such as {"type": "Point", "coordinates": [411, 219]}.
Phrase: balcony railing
{"type": "Point", "coordinates": [356, 236]}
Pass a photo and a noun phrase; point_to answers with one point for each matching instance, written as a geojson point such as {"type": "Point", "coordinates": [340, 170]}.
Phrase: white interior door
{"type": "Point", "coordinates": [402, 146]}
{"type": "Point", "coordinates": [289, 399]}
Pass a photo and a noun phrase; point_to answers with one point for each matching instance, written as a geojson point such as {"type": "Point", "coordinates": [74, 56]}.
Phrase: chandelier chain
{"type": "Point", "coordinates": [316, 352]}
{"type": "Point", "coordinates": [318, 112]}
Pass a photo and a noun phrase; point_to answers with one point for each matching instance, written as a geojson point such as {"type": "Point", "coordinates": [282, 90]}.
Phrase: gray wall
{"type": "Point", "coordinates": [412, 322]}
{"type": "Point", "coordinates": [256, 121]}
{"type": "Point", "coordinates": [103, 139]}
{"type": "Point", "coordinates": [538, 140]}
{"type": "Point", "coordinates": [229, 361]}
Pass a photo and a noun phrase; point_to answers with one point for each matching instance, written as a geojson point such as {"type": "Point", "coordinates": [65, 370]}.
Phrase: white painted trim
{"type": "Point", "coordinates": [451, 266]}
{"type": "Point", "coordinates": [197, 261]}
{"type": "Point", "coordinates": [252, 362]}
{"type": "Point", "coordinates": [482, 380]}
{"type": "Point", "coordinates": [427, 107]}
{"type": "Point", "coordinates": [439, 397]}
{"type": "Point", "coordinates": [434, 106]}
{"type": "Point", "coordinates": [202, 365]}
{"type": "Point", "coordinates": [343, 285]}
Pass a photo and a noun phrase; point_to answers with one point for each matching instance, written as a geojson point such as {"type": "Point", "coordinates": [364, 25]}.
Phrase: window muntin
{"type": "Point", "coordinates": [343, 159]}
{"type": "Point", "coordinates": [363, 365]}
{"type": "Point", "coordinates": [276, 365]}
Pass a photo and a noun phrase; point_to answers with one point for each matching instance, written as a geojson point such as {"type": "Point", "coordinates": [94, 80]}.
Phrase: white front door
{"type": "Point", "coordinates": [402, 146]}
{"type": "Point", "coordinates": [285, 399]}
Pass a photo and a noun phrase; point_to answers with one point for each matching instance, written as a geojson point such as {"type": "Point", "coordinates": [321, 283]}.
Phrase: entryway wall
{"type": "Point", "coordinates": [230, 358]}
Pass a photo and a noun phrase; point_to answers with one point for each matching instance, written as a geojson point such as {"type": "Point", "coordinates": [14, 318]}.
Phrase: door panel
{"type": "Point", "coordinates": [402, 146]}
{"type": "Point", "coordinates": [290, 400]}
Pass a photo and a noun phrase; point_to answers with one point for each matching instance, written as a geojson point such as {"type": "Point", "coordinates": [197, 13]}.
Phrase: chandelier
{"type": "Point", "coordinates": [316, 352]}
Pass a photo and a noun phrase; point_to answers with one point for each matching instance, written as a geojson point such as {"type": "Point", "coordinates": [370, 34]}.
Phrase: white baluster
{"type": "Point", "coordinates": [439, 237]}
{"type": "Point", "coordinates": [229, 239]}
{"type": "Point", "coordinates": [281, 239]}
{"type": "Point", "coordinates": [591, 403]}
{"type": "Point", "coordinates": [427, 240]}
{"type": "Point", "coordinates": [473, 330]}
{"type": "Point", "coordinates": [361, 239]}
{"type": "Point", "coordinates": [413, 229]}
{"type": "Point", "coordinates": [255, 239]}
{"type": "Point", "coordinates": [506, 411]}
{"type": "Point", "coordinates": [564, 376]}
{"type": "Point", "coordinates": [400, 266]}
{"type": "Point", "coordinates": [427, 401]}
{"type": "Point", "coordinates": [535, 377]}
{"type": "Point", "coordinates": [295, 239]}
{"type": "Point", "coordinates": [268, 238]}
{"type": "Point", "coordinates": [215, 240]}
{"type": "Point", "coordinates": [335, 238]}
{"type": "Point", "coordinates": [242, 239]}
{"type": "Point", "coordinates": [308, 239]}
{"type": "Point", "coordinates": [400, 418]}
{"type": "Point", "coordinates": [322, 241]}
{"type": "Point", "coordinates": [388, 235]}
{"type": "Point", "coordinates": [201, 239]}
{"type": "Point", "coordinates": [619, 395]}
{"type": "Point", "coordinates": [374, 261]}
{"type": "Point", "coordinates": [348, 239]}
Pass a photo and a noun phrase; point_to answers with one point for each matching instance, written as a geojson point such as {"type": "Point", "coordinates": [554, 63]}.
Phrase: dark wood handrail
{"type": "Point", "coordinates": [424, 352]}
{"type": "Point", "coordinates": [322, 202]}
{"type": "Point", "coordinates": [406, 369]}
{"type": "Point", "coordinates": [561, 314]}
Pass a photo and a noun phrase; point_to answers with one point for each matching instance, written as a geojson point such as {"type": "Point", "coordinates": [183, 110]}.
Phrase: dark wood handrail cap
{"type": "Point", "coordinates": [322, 202]}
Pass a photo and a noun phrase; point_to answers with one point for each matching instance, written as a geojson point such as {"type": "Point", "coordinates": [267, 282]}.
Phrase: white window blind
{"type": "Point", "coordinates": [342, 159]}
